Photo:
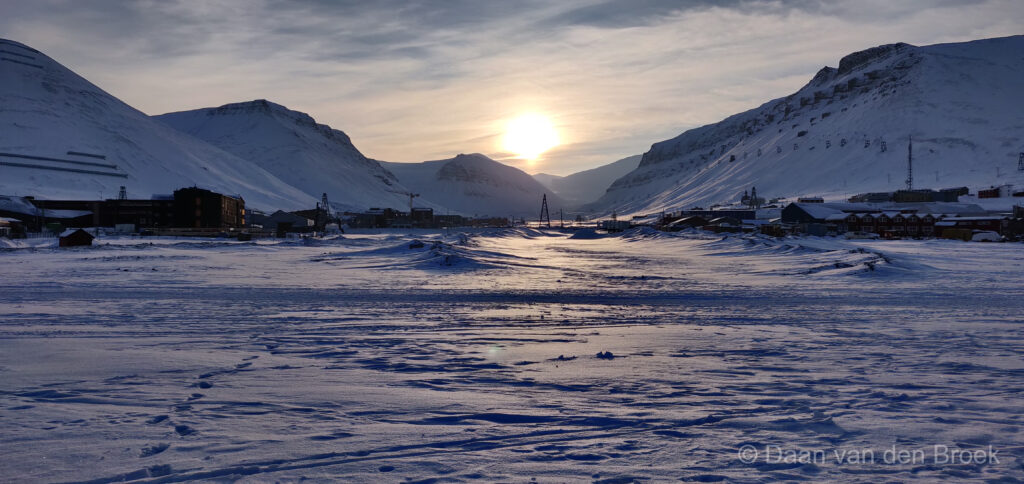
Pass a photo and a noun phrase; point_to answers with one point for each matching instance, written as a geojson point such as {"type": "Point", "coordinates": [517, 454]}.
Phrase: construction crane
{"type": "Point", "coordinates": [411, 196]}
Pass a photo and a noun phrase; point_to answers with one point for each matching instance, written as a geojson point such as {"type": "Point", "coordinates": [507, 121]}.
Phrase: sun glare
{"type": "Point", "coordinates": [530, 135]}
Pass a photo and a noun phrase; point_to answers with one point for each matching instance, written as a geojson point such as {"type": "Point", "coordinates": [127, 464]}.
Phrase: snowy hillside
{"type": "Point", "coordinates": [475, 185]}
{"type": "Point", "coordinates": [847, 131]}
{"type": "Point", "coordinates": [589, 185]}
{"type": "Point", "coordinates": [63, 137]}
{"type": "Point", "coordinates": [312, 157]}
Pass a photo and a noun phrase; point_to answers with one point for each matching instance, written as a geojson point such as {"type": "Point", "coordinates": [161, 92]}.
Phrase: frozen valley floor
{"type": "Point", "coordinates": [473, 359]}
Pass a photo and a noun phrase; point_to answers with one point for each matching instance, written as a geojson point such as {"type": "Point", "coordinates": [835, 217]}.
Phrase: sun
{"type": "Point", "coordinates": [529, 135]}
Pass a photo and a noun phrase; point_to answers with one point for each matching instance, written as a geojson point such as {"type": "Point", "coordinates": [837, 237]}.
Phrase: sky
{"type": "Point", "coordinates": [421, 80]}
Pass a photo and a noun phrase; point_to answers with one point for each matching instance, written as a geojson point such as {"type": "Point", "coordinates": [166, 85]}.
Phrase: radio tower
{"type": "Point", "coordinates": [910, 164]}
{"type": "Point", "coordinates": [544, 216]}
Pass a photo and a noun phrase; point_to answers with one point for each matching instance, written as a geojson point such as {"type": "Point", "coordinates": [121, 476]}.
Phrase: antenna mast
{"type": "Point", "coordinates": [544, 216]}
{"type": "Point", "coordinates": [910, 164]}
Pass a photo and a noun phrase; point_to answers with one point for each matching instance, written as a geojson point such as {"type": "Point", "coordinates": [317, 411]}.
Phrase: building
{"type": "Point", "coordinates": [283, 222]}
{"type": "Point", "coordinates": [724, 224]}
{"type": "Point", "coordinates": [924, 195]}
{"type": "Point", "coordinates": [686, 222]}
{"type": "Point", "coordinates": [75, 238]}
{"type": "Point", "coordinates": [993, 223]}
{"type": "Point", "coordinates": [422, 217]}
{"type": "Point", "coordinates": [615, 225]}
{"type": "Point", "coordinates": [875, 197]}
{"type": "Point", "coordinates": [110, 212]}
{"type": "Point", "coordinates": [11, 228]}
{"type": "Point", "coordinates": [36, 219]}
{"type": "Point", "coordinates": [200, 208]}
{"type": "Point", "coordinates": [449, 220]}
{"type": "Point", "coordinates": [890, 220]}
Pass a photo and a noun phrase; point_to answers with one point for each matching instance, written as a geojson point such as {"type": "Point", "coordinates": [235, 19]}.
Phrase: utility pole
{"type": "Point", "coordinates": [910, 164]}
{"type": "Point", "coordinates": [544, 216]}
{"type": "Point", "coordinates": [325, 205]}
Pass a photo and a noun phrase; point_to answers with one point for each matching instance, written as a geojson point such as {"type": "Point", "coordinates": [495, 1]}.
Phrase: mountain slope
{"type": "Point", "coordinates": [847, 131]}
{"type": "Point", "coordinates": [475, 185]}
{"type": "Point", "coordinates": [290, 145]}
{"type": "Point", "coordinates": [63, 137]}
{"type": "Point", "coordinates": [589, 185]}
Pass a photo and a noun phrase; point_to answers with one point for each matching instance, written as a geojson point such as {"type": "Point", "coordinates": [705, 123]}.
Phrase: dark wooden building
{"type": "Point", "coordinates": [199, 208]}
{"type": "Point", "coordinates": [111, 212]}
{"type": "Point", "coordinates": [422, 217]}
{"type": "Point", "coordinates": [75, 238]}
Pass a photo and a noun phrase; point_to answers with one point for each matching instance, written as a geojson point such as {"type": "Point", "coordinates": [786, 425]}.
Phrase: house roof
{"type": "Point", "coordinates": [818, 210]}
{"type": "Point", "coordinates": [724, 221]}
{"type": "Point", "coordinates": [824, 210]}
{"type": "Point", "coordinates": [688, 219]}
{"type": "Point", "coordinates": [991, 217]}
{"type": "Point", "coordinates": [72, 231]}
{"type": "Point", "coordinates": [23, 206]}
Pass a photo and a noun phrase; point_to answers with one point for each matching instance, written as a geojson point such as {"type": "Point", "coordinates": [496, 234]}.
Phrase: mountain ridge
{"type": "Point", "coordinates": [960, 102]}
{"type": "Point", "coordinates": [587, 186]}
{"type": "Point", "coordinates": [63, 120]}
{"type": "Point", "coordinates": [291, 145]}
{"type": "Point", "coordinates": [473, 184]}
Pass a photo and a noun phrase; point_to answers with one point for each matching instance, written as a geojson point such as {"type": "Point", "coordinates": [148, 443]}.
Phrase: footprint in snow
{"type": "Point", "coordinates": [153, 450]}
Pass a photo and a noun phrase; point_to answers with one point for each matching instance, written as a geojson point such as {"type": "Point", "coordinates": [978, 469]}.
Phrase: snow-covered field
{"type": "Point", "coordinates": [474, 358]}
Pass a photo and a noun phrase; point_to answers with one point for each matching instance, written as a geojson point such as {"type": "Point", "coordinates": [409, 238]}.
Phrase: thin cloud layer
{"type": "Point", "coordinates": [411, 81]}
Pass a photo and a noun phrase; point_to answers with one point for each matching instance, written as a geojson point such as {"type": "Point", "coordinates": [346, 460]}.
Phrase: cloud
{"type": "Point", "coordinates": [415, 80]}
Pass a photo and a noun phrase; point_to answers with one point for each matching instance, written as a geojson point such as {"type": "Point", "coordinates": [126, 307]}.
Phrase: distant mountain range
{"type": "Point", "coordinates": [63, 137]}
{"type": "Point", "coordinates": [587, 186]}
{"type": "Point", "coordinates": [476, 185]}
{"type": "Point", "coordinates": [848, 131]}
{"type": "Point", "coordinates": [291, 146]}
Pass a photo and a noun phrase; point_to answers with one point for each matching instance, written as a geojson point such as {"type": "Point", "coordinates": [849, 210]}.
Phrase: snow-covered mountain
{"type": "Point", "coordinates": [847, 131]}
{"type": "Point", "coordinates": [291, 145]}
{"type": "Point", "coordinates": [475, 185]}
{"type": "Point", "coordinates": [587, 186]}
{"type": "Point", "coordinates": [63, 137]}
